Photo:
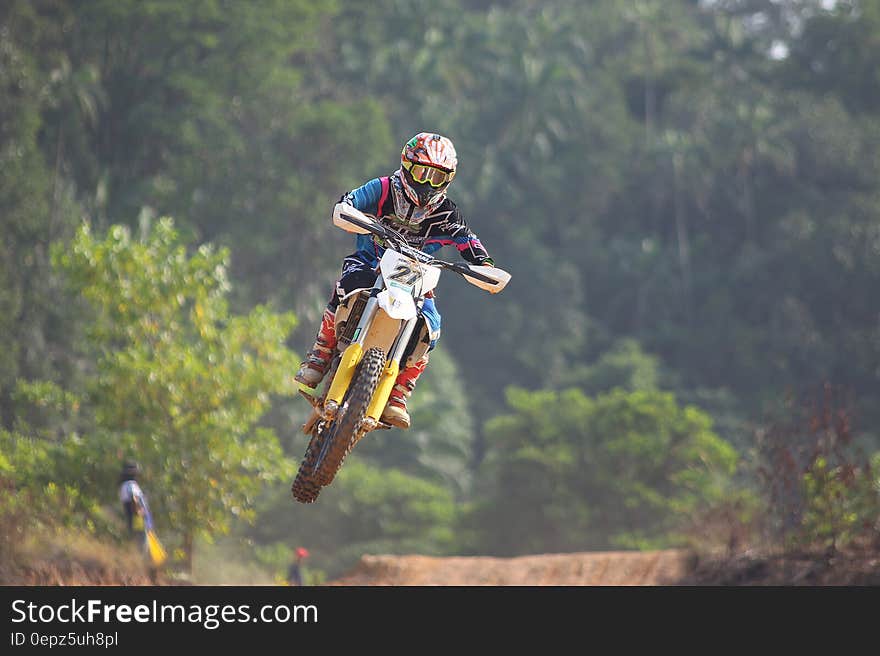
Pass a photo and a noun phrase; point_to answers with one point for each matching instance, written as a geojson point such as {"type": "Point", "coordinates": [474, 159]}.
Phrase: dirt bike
{"type": "Point", "coordinates": [376, 329]}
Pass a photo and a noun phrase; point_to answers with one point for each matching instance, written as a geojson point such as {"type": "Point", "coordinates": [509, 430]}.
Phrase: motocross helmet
{"type": "Point", "coordinates": [427, 166]}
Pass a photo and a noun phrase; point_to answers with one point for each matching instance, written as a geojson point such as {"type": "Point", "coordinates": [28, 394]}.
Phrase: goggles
{"type": "Point", "coordinates": [431, 175]}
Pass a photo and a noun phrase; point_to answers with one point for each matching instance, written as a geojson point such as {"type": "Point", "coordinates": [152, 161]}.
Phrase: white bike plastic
{"type": "Point", "coordinates": [499, 275]}
{"type": "Point", "coordinates": [339, 220]}
{"type": "Point", "coordinates": [397, 303]}
{"type": "Point", "coordinates": [405, 273]}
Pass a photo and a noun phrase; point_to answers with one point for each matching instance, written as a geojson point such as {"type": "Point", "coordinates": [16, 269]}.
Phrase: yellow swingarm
{"type": "Point", "coordinates": [383, 390]}
{"type": "Point", "coordinates": [347, 365]}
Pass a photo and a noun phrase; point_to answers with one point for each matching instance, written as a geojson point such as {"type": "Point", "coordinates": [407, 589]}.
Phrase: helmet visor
{"type": "Point", "coordinates": [429, 174]}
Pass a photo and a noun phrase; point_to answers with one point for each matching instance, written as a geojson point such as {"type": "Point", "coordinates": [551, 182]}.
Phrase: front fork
{"type": "Point", "coordinates": [389, 374]}
{"type": "Point", "coordinates": [352, 356]}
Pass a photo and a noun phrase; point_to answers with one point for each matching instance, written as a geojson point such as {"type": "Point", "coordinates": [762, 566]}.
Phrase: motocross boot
{"type": "Point", "coordinates": [312, 371]}
{"type": "Point", "coordinates": [395, 412]}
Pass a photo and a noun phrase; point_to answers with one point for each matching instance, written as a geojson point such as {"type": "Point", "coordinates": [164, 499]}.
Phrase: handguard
{"type": "Point", "coordinates": [498, 278]}
{"type": "Point", "coordinates": [351, 219]}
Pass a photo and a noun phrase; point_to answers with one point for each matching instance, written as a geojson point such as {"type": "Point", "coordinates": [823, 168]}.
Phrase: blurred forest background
{"type": "Point", "coordinates": [686, 192]}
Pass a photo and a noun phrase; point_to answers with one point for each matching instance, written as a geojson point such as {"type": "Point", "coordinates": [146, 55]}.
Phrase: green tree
{"type": "Point", "coordinates": [566, 472]}
{"type": "Point", "coordinates": [624, 365]}
{"type": "Point", "coordinates": [34, 322]}
{"type": "Point", "coordinates": [209, 111]}
{"type": "Point", "coordinates": [179, 382]}
{"type": "Point", "coordinates": [842, 505]}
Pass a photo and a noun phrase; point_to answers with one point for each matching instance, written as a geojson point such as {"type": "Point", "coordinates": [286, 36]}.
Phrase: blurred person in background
{"type": "Point", "coordinates": [139, 519]}
{"type": "Point", "coordinates": [295, 574]}
{"type": "Point", "coordinates": [134, 503]}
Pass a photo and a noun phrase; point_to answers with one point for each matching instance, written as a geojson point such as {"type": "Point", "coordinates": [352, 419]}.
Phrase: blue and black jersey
{"type": "Point", "coordinates": [428, 230]}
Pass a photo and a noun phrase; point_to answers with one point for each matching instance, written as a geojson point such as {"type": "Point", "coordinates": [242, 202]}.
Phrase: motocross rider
{"type": "Point", "coordinates": [413, 201]}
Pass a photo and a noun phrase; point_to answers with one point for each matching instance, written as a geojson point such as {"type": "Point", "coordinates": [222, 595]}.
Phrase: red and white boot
{"type": "Point", "coordinates": [395, 412]}
{"type": "Point", "coordinates": [312, 371]}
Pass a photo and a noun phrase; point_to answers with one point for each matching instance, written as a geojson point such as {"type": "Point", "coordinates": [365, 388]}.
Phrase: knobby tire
{"type": "Point", "coordinates": [330, 444]}
{"type": "Point", "coordinates": [305, 487]}
{"type": "Point", "coordinates": [343, 434]}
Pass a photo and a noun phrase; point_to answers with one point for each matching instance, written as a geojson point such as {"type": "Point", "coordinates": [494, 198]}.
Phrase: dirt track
{"type": "Point", "coordinates": [617, 568]}
{"type": "Point", "coordinates": [609, 568]}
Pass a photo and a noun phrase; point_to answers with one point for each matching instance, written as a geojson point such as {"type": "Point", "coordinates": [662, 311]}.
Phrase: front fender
{"type": "Point", "coordinates": [397, 304]}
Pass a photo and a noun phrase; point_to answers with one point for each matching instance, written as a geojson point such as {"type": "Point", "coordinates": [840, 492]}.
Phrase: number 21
{"type": "Point", "coordinates": [401, 271]}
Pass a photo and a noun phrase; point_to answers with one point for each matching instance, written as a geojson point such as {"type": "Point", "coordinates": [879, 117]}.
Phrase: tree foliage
{"type": "Point", "coordinates": [568, 472]}
{"type": "Point", "coordinates": [181, 384]}
{"type": "Point", "coordinates": [35, 325]}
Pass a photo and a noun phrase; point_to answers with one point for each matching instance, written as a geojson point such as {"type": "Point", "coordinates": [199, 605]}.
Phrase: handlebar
{"type": "Point", "coordinates": [464, 270]}
{"type": "Point", "coordinates": [399, 244]}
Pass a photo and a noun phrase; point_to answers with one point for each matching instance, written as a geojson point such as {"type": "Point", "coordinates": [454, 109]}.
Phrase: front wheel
{"type": "Point", "coordinates": [305, 486]}
{"type": "Point", "coordinates": [345, 429]}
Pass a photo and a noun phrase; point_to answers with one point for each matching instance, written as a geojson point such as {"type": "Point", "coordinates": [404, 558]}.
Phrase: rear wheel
{"type": "Point", "coordinates": [345, 430]}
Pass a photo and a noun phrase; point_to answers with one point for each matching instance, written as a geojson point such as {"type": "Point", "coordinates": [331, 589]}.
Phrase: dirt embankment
{"type": "Point", "coordinates": [70, 558]}
{"type": "Point", "coordinates": [66, 570]}
{"type": "Point", "coordinates": [618, 568]}
{"type": "Point", "coordinates": [610, 568]}
{"type": "Point", "coordinates": [597, 568]}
